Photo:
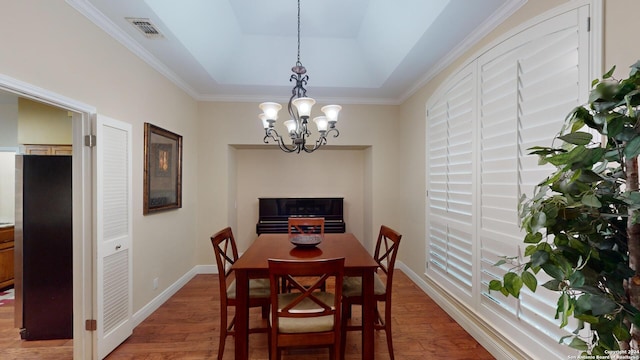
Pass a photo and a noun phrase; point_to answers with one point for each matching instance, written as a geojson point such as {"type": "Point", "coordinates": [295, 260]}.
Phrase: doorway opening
{"type": "Point", "coordinates": [82, 234]}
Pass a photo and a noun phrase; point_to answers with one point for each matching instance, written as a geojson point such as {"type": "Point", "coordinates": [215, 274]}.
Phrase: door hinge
{"type": "Point", "coordinates": [589, 23]}
{"type": "Point", "coordinates": [90, 140]}
{"type": "Point", "coordinates": [91, 325]}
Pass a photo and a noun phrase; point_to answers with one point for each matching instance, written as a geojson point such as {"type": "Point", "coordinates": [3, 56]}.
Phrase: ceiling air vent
{"type": "Point", "coordinates": [146, 27]}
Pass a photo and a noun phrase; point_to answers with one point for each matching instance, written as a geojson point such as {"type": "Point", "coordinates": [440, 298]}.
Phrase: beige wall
{"type": "Point", "coordinates": [227, 170]}
{"type": "Point", "coordinates": [620, 35]}
{"type": "Point", "coordinates": [39, 123]}
{"type": "Point", "coordinates": [7, 186]}
{"type": "Point", "coordinates": [273, 173]}
{"type": "Point", "coordinates": [8, 121]}
{"type": "Point", "coordinates": [58, 49]}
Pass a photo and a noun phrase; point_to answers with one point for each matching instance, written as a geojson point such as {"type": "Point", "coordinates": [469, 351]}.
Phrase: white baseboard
{"type": "Point", "coordinates": [493, 341]}
{"type": "Point", "coordinates": [154, 304]}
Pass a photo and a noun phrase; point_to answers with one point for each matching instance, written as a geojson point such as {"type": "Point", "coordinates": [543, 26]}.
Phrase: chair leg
{"type": "Point", "coordinates": [274, 354]}
{"type": "Point", "coordinates": [265, 311]}
{"type": "Point", "coordinates": [223, 334]}
{"type": "Point", "coordinates": [343, 333]}
{"type": "Point", "coordinates": [387, 328]}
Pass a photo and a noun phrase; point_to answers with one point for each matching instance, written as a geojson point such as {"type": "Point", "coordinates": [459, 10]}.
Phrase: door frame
{"type": "Point", "coordinates": [84, 342]}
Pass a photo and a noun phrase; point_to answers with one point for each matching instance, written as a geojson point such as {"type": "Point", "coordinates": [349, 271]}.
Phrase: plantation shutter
{"type": "Point", "coordinates": [546, 81]}
{"type": "Point", "coordinates": [512, 97]}
{"type": "Point", "coordinates": [450, 169]}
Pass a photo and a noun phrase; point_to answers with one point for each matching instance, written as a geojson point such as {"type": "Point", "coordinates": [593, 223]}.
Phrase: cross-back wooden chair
{"type": "Point", "coordinates": [306, 317]}
{"type": "Point", "coordinates": [306, 225]}
{"type": "Point", "coordinates": [385, 255]}
{"type": "Point", "coordinates": [226, 253]}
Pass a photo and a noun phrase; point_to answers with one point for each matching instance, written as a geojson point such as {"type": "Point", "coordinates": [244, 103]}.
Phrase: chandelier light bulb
{"type": "Point", "coordinates": [303, 105]}
{"type": "Point", "coordinates": [331, 112]}
{"type": "Point", "coordinates": [321, 123]}
{"type": "Point", "coordinates": [270, 110]}
{"type": "Point", "coordinates": [292, 126]}
{"type": "Point", "coordinates": [263, 118]}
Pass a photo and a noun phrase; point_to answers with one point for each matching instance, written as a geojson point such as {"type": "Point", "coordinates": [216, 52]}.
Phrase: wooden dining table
{"type": "Point", "coordinates": [254, 264]}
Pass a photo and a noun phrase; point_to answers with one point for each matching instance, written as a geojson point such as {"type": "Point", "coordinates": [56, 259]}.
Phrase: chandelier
{"type": "Point", "coordinates": [299, 107]}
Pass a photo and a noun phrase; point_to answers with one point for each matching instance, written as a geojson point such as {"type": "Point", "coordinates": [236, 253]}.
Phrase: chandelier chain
{"type": "Point", "coordinates": [298, 63]}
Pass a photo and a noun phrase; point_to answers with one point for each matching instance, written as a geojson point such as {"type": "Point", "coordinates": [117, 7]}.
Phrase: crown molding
{"type": "Point", "coordinates": [95, 16]}
{"type": "Point", "coordinates": [483, 30]}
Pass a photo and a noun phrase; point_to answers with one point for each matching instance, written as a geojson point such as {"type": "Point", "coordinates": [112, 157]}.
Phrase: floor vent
{"type": "Point", "coordinates": [146, 27]}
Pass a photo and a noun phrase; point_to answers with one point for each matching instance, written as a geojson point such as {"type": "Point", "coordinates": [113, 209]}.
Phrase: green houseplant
{"type": "Point", "coordinates": [583, 222]}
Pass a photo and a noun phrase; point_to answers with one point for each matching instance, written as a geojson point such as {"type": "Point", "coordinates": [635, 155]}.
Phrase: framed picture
{"type": "Point", "coordinates": [162, 169]}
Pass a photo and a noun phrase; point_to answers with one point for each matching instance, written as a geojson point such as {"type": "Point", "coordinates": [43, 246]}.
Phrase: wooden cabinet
{"type": "Point", "coordinates": [40, 149]}
{"type": "Point", "coordinates": [6, 256]}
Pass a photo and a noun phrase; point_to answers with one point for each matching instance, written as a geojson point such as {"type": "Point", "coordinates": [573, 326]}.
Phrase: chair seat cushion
{"type": "Point", "coordinates": [352, 286]}
{"type": "Point", "coordinates": [309, 324]}
{"type": "Point", "coordinates": [258, 288]}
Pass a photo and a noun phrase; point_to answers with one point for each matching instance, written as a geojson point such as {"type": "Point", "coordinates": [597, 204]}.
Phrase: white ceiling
{"type": "Point", "coordinates": [355, 51]}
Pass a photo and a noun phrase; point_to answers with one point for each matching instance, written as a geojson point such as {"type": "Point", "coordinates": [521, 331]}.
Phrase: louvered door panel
{"type": "Point", "coordinates": [114, 203]}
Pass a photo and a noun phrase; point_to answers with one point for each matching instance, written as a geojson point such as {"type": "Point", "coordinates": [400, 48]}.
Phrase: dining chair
{"type": "Point", "coordinates": [306, 317]}
{"type": "Point", "coordinates": [306, 225]}
{"type": "Point", "coordinates": [226, 253]}
{"type": "Point", "coordinates": [385, 255]}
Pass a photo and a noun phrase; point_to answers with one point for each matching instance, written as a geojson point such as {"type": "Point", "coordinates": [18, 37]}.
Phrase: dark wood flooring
{"type": "Point", "coordinates": [186, 327]}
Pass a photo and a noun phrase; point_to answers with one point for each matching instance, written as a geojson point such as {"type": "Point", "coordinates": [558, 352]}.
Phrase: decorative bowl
{"type": "Point", "coordinates": [303, 240]}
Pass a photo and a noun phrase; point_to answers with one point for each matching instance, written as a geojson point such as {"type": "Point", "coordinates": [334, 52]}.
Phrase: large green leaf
{"type": "Point", "coordinates": [539, 258]}
{"type": "Point", "coordinates": [529, 280]}
{"type": "Point", "coordinates": [575, 155]}
{"type": "Point", "coordinates": [495, 285]}
{"type": "Point", "coordinates": [564, 309]}
{"type": "Point", "coordinates": [609, 73]}
{"type": "Point", "coordinates": [513, 283]}
{"type": "Point", "coordinates": [533, 238]}
{"type": "Point", "coordinates": [601, 305]}
{"type": "Point", "coordinates": [577, 138]}
{"type": "Point", "coordinates": [591, 200]}
{"type": "Point", "coordinates": [583, 304]}
{"type": "Point", "coordinates": [553, 271]}
{"type": "Point", "coordinates": [615, 125]}
{"type": "Point", "coordinates": [633, 148]}
{"type": "Point", "coordinates": [553, 285]}
{"type": "Point", "coordinates": [578, 344]}
{"type": "Point", "coordinates": [529, 250]}
{"type": "Point", "coordinates": [634, 68]}
{"type": "Point", "coordinates": [621, 333]}
{"type": "Point", "coordinates": [576, 279]}
{"type": "Point", "coordinates": [538, 221]}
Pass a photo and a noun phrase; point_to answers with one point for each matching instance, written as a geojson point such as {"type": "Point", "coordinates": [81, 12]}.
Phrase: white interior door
{"type": "Point", "coordinates": [114, 228]}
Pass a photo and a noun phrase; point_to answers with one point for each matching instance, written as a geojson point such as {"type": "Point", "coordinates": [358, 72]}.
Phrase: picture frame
{"type": "Point", "coordinates": [162, 169]}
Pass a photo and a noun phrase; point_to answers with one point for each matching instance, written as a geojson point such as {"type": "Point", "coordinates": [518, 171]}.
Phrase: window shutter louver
{"type": "Point", "coordinates": [450, 130]}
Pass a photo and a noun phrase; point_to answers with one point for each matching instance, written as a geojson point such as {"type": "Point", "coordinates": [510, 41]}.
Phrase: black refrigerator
{"type": "Point", "coordinates": [43, 247]}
